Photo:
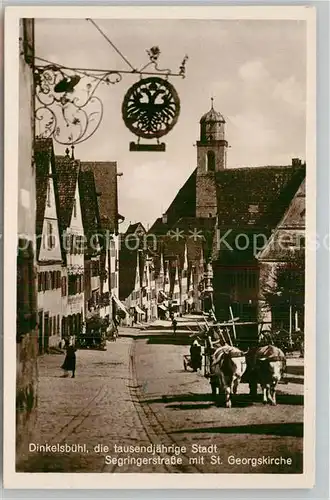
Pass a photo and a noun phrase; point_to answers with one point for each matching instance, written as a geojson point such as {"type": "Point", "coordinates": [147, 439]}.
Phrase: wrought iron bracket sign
{"type": "Point", "coordinates": [150, 110]}
{"type": "Point", "coordinates": [69, 110]}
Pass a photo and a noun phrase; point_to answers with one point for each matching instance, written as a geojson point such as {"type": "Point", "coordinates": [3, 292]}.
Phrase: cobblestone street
{"type": "Point", "coordinates": [137, 393]}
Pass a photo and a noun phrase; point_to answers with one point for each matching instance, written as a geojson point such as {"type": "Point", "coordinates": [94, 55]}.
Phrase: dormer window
{"type": "Point", "coordinates": [75, 208]}
{"type": "Point", "coordinates": [253, 209]}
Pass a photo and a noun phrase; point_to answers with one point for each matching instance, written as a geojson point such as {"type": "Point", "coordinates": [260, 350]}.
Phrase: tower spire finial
{"type": "Point", "coordinates": [212, 99]}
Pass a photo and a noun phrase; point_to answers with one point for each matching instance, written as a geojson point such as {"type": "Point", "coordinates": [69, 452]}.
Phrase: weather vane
{"type": "Point", "coordinates": [69, 110]}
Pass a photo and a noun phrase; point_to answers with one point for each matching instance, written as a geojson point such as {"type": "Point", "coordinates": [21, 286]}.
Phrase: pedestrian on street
{"type": "Point", "coordinates": [174, 325]}
{"type": "Point", "coordinates": [70, 359]}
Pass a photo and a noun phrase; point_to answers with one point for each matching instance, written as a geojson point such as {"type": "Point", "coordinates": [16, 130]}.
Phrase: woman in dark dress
{"type": "Point", "coordinates": [70, 359]}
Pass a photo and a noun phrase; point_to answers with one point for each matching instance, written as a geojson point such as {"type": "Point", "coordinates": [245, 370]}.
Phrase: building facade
{"type": "Point", "coordinates": [49, 254]}
{"type": "Point", "coordinates": [26, 312]}
{"type": "Point", "coordinates": [73, 243]}
{"type": "Point", "coordinates": [106, 188]}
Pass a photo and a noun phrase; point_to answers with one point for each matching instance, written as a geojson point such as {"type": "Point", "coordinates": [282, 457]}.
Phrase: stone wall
{"type": "Point", "coordinates": [26, 392]}
{"type": "Point", "coordinates": [206, 196]}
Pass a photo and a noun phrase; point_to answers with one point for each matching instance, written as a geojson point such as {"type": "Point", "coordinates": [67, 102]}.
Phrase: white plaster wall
{"type": "Point", "coordinates": [26, 171]}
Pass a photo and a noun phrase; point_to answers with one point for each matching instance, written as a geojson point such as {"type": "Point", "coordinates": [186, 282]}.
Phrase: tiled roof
{"type": "Point", "coordinates": [89, 205]}
{"type": "Point", "coordinates": [105, 174]}
{"type": "Point", "coordinates": [212, 116]}
{"type": "Point", "coordinates": [43, 154]}
{"type": "Point", "coordinates": [249, 199]}
{"type": "Point", "coordinates": [66, 177]}
{"type": "Point", "coordinates": [256, 197]}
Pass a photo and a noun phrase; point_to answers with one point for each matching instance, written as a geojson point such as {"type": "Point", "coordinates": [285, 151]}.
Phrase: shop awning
{"type": "Point", "coordinates": [139, 310]}
{"type": "Point", "coordinates": [162, 307]}
{"type": "Point", "coordinates": [120, 304]}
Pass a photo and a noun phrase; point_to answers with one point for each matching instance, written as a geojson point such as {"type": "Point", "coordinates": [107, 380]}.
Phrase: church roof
{"type": "Point", "coordinates": [256, 197]}
{"type": "Point", "coordinates": [212, 116]}
{"type": "Point", "coordinates": [249, 199]}
{"type": "Point", "coordinates": [183, 205]}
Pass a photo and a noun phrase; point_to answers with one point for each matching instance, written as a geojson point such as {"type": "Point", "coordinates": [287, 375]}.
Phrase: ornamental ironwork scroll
{"type": "Point", "coordinates": [69, 110]}
{"type": "Point", "coordinates": [67, 107]}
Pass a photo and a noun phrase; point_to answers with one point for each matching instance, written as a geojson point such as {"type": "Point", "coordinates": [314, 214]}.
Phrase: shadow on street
{"type": "Point", "coordinates": [280, 429]}
{"type": "Point", "coordinates": [240, 400]}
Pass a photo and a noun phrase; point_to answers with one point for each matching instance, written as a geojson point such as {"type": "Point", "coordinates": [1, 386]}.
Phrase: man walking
{"type": "Point", "coordinates": [174, 325]}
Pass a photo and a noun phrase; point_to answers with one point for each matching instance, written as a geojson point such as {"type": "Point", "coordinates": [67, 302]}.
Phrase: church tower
{"type": "Point", "coordinates": [211, 158]}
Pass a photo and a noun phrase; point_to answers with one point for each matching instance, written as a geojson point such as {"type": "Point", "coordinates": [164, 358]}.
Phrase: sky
{"type": "Point", "coordinates": [254, 70]}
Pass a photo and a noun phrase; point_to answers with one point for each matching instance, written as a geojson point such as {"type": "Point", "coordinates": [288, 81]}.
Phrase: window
{"type": "Point", "coordinates": [210, 161]}
{"type": "Point", "coordinates": [63, 286]}
{"type": "Point", "coordinates": [74, 244]}
{"type": "Point", "coordinates": [47, 281]}
{"type": "Point", "coordinates": [113, 280]}
{"type": "Point", "coordinates": [48, 195]}
{"type": "Point", "coordinates": [58, 325]}
{"type": "Point", "coordinates": [95, 268]}
{"type": "Point", "coordinates": [80, 283]}
{"type": "Point", "coordinates": [112, 248]}
{"type": "Point", "coordinates": [74, 208]}
{"type": "Point", "coordinates": [43, 281]}
{"type": "Point", "coordinates": [39, 282]}
{"type": "Point", "coordinates": [71, 285]}
{"type": "Point", "coordinates": [50, 238]}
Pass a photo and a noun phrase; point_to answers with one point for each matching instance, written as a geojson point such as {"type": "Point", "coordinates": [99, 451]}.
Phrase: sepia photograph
{"type": "Point", "coordinates": [161, 174]}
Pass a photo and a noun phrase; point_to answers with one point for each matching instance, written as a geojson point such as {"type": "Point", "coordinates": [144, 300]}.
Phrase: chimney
{"type": "Point", "coordinates": [296, 162]}
{"type": "Point", "coordinates": [164, 218]}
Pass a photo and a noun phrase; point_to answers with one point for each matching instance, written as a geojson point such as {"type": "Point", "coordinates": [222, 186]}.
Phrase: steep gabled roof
{"type": "Point", "coordinates": [44, 156]}
{"type": "Point", "coordinates": [89, 205]}
{"type": "Point", "coordinates": [105, 175]}
{"type": "Point", "coordinates": [66, 176]}
{"type": "Point", "coordinates": [132, 228]}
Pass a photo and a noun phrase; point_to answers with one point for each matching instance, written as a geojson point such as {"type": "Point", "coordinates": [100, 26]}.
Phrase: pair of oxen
{"type": "Point", "coordinates": [260, 365]}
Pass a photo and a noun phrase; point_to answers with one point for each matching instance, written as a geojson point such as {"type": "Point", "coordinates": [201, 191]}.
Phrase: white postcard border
{"type": "Point", "coordinates": [150, 481]}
